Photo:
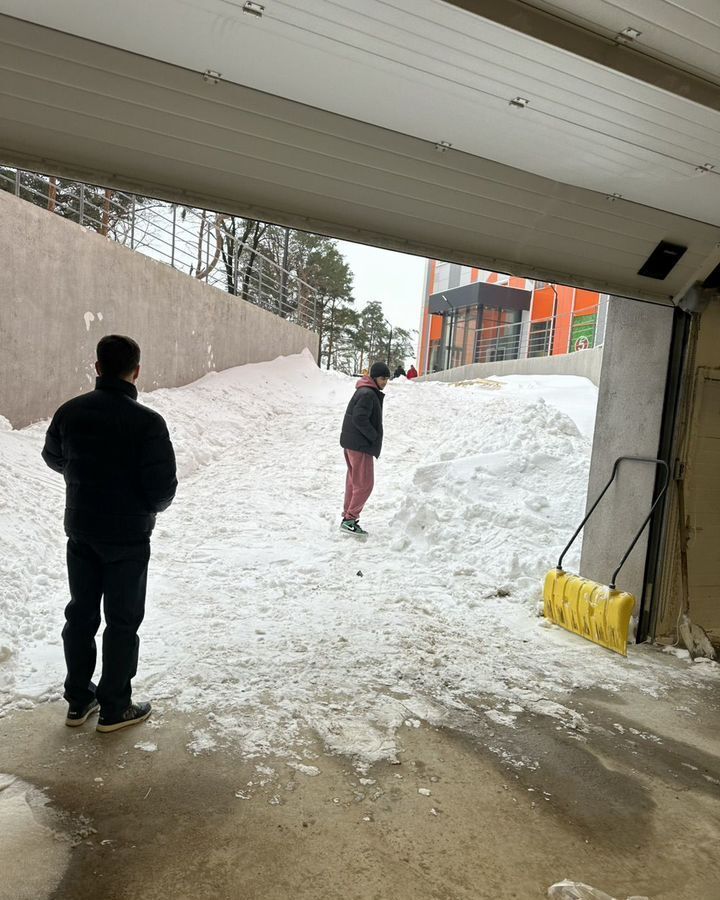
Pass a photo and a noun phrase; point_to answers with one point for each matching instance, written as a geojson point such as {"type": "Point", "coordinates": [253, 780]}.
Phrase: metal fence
{"type": "Point", "coordinates": [203, 244]}
{"type": "Point", "coordinates": [560, 333]}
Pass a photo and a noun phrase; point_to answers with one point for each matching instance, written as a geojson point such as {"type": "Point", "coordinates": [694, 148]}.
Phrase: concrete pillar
{"type": "Point", "coordinates": [629, 415]}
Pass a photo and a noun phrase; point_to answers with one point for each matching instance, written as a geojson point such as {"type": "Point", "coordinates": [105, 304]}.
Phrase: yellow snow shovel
{"type": "Point", "coordinates": [595, 611]}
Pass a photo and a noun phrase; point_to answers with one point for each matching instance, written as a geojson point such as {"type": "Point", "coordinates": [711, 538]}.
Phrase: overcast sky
{"type": "Point", "coordinates": [395, 279]}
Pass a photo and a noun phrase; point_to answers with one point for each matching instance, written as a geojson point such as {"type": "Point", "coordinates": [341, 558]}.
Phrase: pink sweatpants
{"type": "Point", "coordinates": [359, 482]}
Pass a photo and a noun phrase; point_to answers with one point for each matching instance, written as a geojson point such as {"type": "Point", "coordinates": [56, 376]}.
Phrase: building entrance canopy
{"type": "Point", "coordinates": [479, 293]}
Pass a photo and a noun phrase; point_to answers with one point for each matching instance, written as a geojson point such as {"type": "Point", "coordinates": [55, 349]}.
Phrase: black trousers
{"type": "Point", "coordinates": [116, 573]}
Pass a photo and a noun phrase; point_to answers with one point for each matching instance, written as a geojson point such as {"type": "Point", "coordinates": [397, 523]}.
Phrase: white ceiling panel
{"type": "Point", "coordinates": [427, 69]}
{"type": "Point", "coordinates": [684, 33]}
{"type": "Point", "coordinates": [328, 112]}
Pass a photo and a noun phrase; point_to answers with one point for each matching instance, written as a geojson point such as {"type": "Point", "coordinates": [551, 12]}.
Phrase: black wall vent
{"type": "Point", "coordinates": [713, 279]}
{"type": "Point", "coordinates": [662, 260]}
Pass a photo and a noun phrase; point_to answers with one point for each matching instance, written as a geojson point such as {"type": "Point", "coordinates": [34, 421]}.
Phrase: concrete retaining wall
{"type": "Point", "coordinates": [586, 363]}
{"type": "Point", "coordinates": [62, 288]}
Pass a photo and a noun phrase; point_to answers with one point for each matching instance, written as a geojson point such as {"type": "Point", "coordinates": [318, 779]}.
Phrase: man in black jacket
{"type": "Point", "coordinates": [361, 438]}
{"type": "Point", "coordinates": [119, 469]}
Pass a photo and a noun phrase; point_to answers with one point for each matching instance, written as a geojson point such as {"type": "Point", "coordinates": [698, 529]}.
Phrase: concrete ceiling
{"type": "Point", "coordinates": [328, 112]}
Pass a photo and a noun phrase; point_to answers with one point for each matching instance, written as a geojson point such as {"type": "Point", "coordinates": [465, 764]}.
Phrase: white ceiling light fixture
{"type": "Point", "coordinates": [253, 9]}
{"type": "Point", "coordinates": [627, 35]}
{"type": "Point", "coordinates": [519, 102]}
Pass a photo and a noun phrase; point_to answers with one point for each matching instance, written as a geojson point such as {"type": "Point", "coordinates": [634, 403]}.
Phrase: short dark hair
{"type": "Point", "coordinates": [117, 355]}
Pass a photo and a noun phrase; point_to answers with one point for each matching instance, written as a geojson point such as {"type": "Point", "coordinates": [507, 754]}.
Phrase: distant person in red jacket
{"type": "Point", "coordinates": [412, 372]}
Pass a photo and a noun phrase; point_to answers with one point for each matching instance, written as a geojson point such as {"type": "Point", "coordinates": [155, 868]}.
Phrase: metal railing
{"type": "Point", "coordinates": [203, 244]}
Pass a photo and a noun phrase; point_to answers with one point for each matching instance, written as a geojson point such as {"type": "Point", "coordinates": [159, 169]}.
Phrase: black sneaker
{"type": "Point", "coordinates": [133, 715]}
{"type": "Point", "coordinates": [352, 526]}
{"type": "Point", "coordinates": [78, 715]}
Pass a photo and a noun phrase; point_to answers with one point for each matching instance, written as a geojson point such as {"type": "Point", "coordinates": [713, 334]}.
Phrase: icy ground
{"type": "Point", "coordinates": [35, 849]}
{"type": "Point", "coordinates": [268, 626]}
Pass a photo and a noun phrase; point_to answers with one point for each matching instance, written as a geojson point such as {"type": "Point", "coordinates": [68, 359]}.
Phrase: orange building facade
{"type": "Point", "coordinates": [471, 315]}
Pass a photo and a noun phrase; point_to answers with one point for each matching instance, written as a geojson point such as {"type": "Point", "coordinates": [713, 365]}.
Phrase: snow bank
{"type": "Point", "coordinates": [567, 393]}
{"type": "Point", "coordinates": [32, 580]}
{"type": "Point", "coordinates": [269, 627]}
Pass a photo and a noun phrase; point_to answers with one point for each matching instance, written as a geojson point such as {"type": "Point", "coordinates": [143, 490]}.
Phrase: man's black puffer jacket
{"type": "Point", "coordinates": [117, 460]}
{"type": "Point", "coordinates": [362, 427]}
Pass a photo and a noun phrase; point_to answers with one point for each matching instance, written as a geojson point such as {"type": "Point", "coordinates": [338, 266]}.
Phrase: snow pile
{"type": "Point", "coordinates": [32, 579]}
{"type": "Point", "coordinates": [495, 476]}
{"type": "Point", "coordinates": [567, 393]}
{"type": "Point", "coordinates": [269, 628]}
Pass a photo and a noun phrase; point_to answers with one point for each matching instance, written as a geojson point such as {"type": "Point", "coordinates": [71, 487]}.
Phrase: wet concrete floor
{"type": "Point", "coordinates": [630, 806]}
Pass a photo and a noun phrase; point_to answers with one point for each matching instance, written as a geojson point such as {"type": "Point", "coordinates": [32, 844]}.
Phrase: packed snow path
{"type": "Point", "coordinates": [269, 627]}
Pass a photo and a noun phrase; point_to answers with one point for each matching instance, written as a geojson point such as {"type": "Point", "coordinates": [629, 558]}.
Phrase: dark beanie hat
{"type": "Point", "coordinates": [379, 370]}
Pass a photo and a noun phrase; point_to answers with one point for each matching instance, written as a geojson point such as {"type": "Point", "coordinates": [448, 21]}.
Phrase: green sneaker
{"type": "Point", "coordinates": [352, 526]}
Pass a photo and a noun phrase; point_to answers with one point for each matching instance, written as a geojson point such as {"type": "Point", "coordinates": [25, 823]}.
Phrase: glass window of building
{"type": "Point", "coordinates": [455, 272]}
{"type": "Point", "coordinates": [442, 277]}
{"type": "Point", "coordinates": [498, 336]}
{"type": "Point", "coordinates": [466, 275]}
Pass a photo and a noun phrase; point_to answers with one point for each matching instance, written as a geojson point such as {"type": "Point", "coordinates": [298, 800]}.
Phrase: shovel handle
{"type": "Point", "coordinates": [661, 494]}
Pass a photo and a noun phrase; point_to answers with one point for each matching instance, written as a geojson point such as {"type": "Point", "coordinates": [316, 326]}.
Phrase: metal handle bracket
{"type": "Point", "coordinates": [661, 494]}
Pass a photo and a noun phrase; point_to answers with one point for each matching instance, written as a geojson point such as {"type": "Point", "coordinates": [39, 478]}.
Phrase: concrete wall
{"type": "Point", "coordinates": [62, 288]}
{"type": "Point", "coordinates": [586, 363]}
{"type": "Point", "coordinates": [629, 416]}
